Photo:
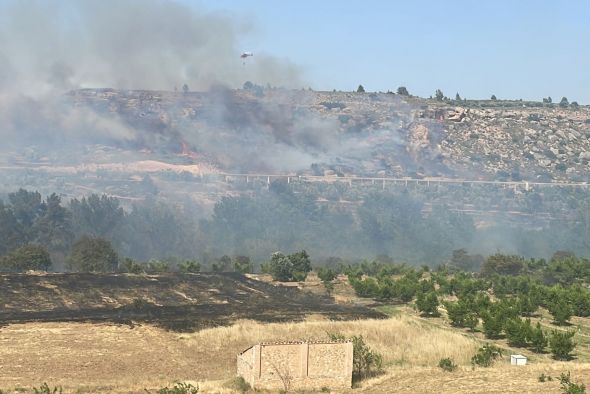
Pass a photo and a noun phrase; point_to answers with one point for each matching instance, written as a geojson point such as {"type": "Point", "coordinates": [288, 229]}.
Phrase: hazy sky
{"type": "Point", "coordinates": [514, 49]}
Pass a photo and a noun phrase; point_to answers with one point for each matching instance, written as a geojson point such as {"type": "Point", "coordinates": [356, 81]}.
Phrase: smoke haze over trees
{"type": "Point", "coordinates": [256, 224]}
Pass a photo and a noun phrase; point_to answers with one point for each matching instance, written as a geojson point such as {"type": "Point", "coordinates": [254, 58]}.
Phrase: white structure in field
{"type": "Point", "coordinates": [517, 359]}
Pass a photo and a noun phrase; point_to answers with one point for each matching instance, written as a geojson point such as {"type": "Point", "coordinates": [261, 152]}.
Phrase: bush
{"type": "Point", "coordinates": [141, 304]}
{"type": "Point", "coordinates": [287, 268]}
{"type": "Point", "coordinates": [461, 314]}
{"type": "Point", "coordinates": [189, 266]}
{"type": "Point", "coordinates": [131, 266]}
{"type": "Point", "coordinates": [447, 364]}
{"type": "Point", "coordinates": [27, 257]}
{"type": "Point", "coordinates": [403, 91]}
{"type": "Point", "coordinates": [544, 378]}
{"type": "Point", "coordinates": [569, 387]}
{"type": "Point", "coordinates": [538, 339]}
{"type": "Point", "coordinates": [427, 304]}
{"type": "Point", "coordinates": [365, 361]}
{"type": "Point", "coordinates": [223, 264]}
{"type": "Point", "coordinates": [561, 311]}
{"type": "Point", "coordinates": [564, 102]}
{"type": "Point", "coordinates": [562, 345]}
{"type": "Point", "coordinates": [493, 323]}
{"type": "Point", "coordinates": [326, 274]}
{"type": "Point", "coordinates": [486, 355]}
{"type": "Point", "coordinates": [439, 95]}
{"type": "Point", "coordinates": [238, 384]}
{"type": "Point", "coordinates": [45, 389]}
{"type": "Point", "coordinates": [157, 266]}
{"type": "Point", "coordinates": [243, 264]}
{"type": "Point", "coordinates": [180, 388]}
{"type": "Point", "coordinates": [92, 254]}
{"type": "Point", "coordinates": [365, 288]}
{"type": "Point", "coordinates": [518, 332]}
{"type": "Point", "coordinates": [502, 264]}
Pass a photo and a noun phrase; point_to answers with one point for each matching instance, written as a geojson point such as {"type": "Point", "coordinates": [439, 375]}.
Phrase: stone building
{"type": "Point", "coordinates": [297, 365]}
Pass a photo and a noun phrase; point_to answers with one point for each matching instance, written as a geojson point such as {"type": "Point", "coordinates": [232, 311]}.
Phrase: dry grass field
{"type": "Point", "coordinates": [106, 358]}
{"type": "Point", "coordinates": [120, 358]}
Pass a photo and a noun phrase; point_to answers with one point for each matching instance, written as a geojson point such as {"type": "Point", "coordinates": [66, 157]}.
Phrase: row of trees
{"type": "Point", "coordinates": [402, 90]}
{"type": "Point", "coordinates": [564, 103]}
{"type": "Point", "coordinates": [95, 254]}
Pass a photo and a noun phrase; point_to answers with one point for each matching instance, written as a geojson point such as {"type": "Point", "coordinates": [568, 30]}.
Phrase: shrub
{"type": "Point", "coordinates": [326, 274]}
{"type": "Point", "coordinates": [93, 254]}
{"type": "Point", "coordinates": [527, 305]}
{"type": "Point", "coordinates": [27, 257]}
{"type": "Point", "coordinates": [471, 321]}
{"type": "Point", "coordinates": [447, 364]}
{"type": "Point", "coordinates": [365, 361]}
{"type": "Point", "coordinates": [562, 345]}
{"type": "Point", "coordinates": [564, 102]}
{"type": "Point", "coordinates": [365, 288]}
{"type": "Point", "coordinates": [131, 266]}
{"type": "Point", "coordinates": [561, 311]}
{"type": "Point", "coordinates": [238, 384]}
{"type": "Point", "coordinates": [403, 91]}
{"type": "Point", "coordinates": [569, 387]}
{"type": "Point", "coordinates": [157, 266]}
{"type": "Point", "coordinates": [243, 264]}
{"type": "Point", "coordinates": [486, 355]}
{"type": "Point", "coordinates": [189, 266]}
{"type": "Point", "coordinates": [538, 339]}
{"type": "Point", "coordinates": [293, 267]}
{"type": "Point", "coordinates": [45, 389]}
{"type": "Point", "coordinates": [544, 378]}
{"type": "Point", "coordinates": [140, 304]}
{"type": "Point", "coordinates": [502, 264]}
{"type": "Point", "coordinates": [493, 325]}
{"type": "Point", "coordinates": [461, 313]}
{"type": "Point", "coordinates": [180, 388]}
{"type": "Point", "coordinates": [427, 304]}
{"type": "Point", "coordinates": [518, 332]}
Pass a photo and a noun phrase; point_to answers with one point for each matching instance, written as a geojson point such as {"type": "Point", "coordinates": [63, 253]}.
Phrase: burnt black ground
{"type": "Point", "coordinates": [180, 302]}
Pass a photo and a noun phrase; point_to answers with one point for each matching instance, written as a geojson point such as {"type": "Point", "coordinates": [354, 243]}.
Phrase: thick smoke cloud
{"type": "Point", "coordinates": [48, 48]}
{"type": "Point", "coordinates": [126, 44]}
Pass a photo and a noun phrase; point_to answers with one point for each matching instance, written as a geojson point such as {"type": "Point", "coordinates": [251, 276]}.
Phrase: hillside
{"type": "Point", "coordinates": [399, 135]}
{"type": "Point", "coordinates": [178, 137]}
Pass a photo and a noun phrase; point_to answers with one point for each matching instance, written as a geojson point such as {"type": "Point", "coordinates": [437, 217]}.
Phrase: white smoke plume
{"type": "Point", "coordinates": [126, 44]}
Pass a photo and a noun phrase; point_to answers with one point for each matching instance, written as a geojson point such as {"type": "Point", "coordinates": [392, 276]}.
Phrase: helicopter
{"type": "Point", "coordinates": [245, 55]}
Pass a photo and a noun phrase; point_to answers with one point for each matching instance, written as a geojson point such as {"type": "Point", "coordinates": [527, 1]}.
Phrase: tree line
{"type": "Point", "coordinates": [258, 223]}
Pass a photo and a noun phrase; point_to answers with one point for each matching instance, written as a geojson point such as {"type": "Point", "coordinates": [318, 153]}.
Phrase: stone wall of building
{"type": "Point", "coordinates": [300, 365]}
{"type": "Point", "coordinates": [246, 365]}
